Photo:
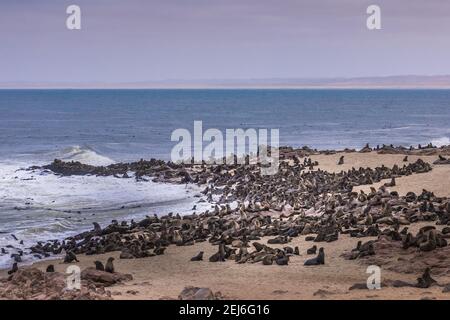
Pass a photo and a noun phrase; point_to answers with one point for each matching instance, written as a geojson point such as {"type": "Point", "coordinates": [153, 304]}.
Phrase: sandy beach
{"type": "Point", "coordinates": [165, 276]}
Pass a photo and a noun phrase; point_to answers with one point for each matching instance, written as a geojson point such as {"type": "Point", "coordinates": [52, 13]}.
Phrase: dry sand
{"type": "Point", "coordinates": [165, 276]}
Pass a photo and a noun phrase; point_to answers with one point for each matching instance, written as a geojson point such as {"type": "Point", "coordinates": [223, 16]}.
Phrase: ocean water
{"type": "Point", "coordinates": [106, 126]}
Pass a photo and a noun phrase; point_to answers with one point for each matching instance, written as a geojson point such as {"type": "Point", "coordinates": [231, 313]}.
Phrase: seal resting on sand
{"type": "Point", "coordinates": [198, 257]}
{"type": "Point", "coordinates": [99, 266]}
{"type": "Point", "coordinates": [109, 267]}
{"type": "Point", "coordinates": [70, 257]}
{"type": "Point", "coordinates": [425, 281]}
{"type": "Point", "coordinates": [312, 250]}
{"type": "Point", "coordinates": [320, 259]}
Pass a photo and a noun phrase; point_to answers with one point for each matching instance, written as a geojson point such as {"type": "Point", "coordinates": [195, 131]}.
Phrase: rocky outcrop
{"type": "Point", "coordinates": [102, 278]}
{"type": "Point", "coordinates": [33, 284]}
{"type": "Point", "coordinates": [195, 293]}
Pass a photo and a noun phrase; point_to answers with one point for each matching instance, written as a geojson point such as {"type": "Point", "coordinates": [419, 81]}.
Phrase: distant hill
{"type": "Point", "coordinates": [389, 82]}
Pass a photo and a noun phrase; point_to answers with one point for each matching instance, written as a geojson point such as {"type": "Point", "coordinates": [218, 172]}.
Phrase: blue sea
{"type": "Point", "coordinates": [107, 126]}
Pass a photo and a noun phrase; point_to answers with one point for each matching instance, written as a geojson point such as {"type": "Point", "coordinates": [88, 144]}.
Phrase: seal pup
{"type": "Point", "coordinates": [312, 250]}
{"type": "Point", "coordinates": [50, 268]}
{"type": "Point", "coordinates": [198, 257]}
{"type": "Point", "coordinates": [13, 269]}
{"type": "Point", "coordinates": [320, 259]}
{"type": "Point", "coordinates": [405, 159]}
{"type": "Point", "coordinates": [341, 161]}
{"type": "Point", "coordinates": [109, 267]}
{"type": "Point", "coordinates": [99, 266]}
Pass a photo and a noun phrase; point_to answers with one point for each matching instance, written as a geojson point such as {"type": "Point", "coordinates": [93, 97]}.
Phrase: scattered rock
{"type": "Point", "coordinates": [195, 293]}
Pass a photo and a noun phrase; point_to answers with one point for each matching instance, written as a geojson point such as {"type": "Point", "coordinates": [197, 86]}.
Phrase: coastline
{"type": "Point", "coordinates": [165, 276]}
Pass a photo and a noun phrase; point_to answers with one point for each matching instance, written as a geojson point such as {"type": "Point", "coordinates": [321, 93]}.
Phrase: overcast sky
{"type": "Point", "coordinates": [145, 40]}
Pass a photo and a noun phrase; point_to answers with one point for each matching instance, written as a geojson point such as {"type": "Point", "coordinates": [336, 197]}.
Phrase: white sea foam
{"type": "Point", "coordinates": [442, 141]}
{"type": "Point", "coordinates": [37, 205]}
{"type": "Point", "coordinates": [83, 154]}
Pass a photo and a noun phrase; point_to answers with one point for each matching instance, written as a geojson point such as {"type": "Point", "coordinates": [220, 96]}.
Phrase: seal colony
{"type": "Point", "coordinates": [260, 219]}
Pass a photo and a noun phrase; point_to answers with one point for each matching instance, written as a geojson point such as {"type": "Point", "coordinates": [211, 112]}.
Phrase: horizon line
{"type": "Point", "coordinates": [366, 82]}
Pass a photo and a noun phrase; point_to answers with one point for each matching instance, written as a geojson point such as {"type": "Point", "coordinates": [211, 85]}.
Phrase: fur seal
{"type": "Point", "coordinates": [198, 257]}
{"type": "Point", "coordinates": [430, 244]}
{"type": "Point", "coordinates": [268, 260]}
{"type": "Point", "coordinates": [159, 251]}
{"type": "Point", "coordinates": [282, 259]}
{"type": "Point", "coordinates": [320, 259]}
{"type": "Point", "coordinates": [425, 281]}
{"type": "Point", "coordinates": [341, 161]}
{"type": "Point", "coordinates": [70, 257]}
{"type": "Point", "coordinates": [390, 184]}
{"type": "Point", "coordinates": [16, 257]}
{"type": "Point", "coordinates": [50, 268]}
{"type": "Point", "coordinates": [312, 250]}
{"type": "Point", "coordinates": [109, 267]}
{"type": "Point", "coordinates": [99, 266]}
{"type": "Point", "coordinates": [220, 255]}
{"type": "Point", "coordinates": [97, 227]}
{"type": "Point", "coordinates": [13, 269]}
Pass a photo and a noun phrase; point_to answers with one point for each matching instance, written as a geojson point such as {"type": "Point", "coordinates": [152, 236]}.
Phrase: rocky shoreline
{"type": "Point", "coordinates": [301, 200]}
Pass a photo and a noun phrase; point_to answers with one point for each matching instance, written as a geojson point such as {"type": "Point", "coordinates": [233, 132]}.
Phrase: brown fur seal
{"type": "Point", "coordinates": [99, 266]}
{"type": "Point", "coordinates": [320, 259]}
{"type": "Point", "coordinates": [13, 269]}
{"type": "Point", "coordinates": [430, 244]}
{"type": "Point", "coordinates": [198, 257]}
{"type": "Point", "coordinates": [282, 259]}
{"type": "Point", "coordinates": [425, 281]}
{"type": "Point", "coordinates": [50, 268]}
{"type": "Point", "coordinates": [312, 250]}
{"type": "Point", "coordinates": [109, 267]}
{"type": "Point", "coordinates": [70, 257]}
{"type": "Point", "coordinates": [159, 251]}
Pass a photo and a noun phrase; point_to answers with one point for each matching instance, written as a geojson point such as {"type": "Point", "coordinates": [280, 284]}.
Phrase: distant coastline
{"type": "Point", "coordinates": [387, 82]}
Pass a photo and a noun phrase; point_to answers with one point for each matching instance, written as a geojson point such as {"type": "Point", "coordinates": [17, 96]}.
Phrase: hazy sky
{"type": "Point", "coordinates": [139, 40]}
